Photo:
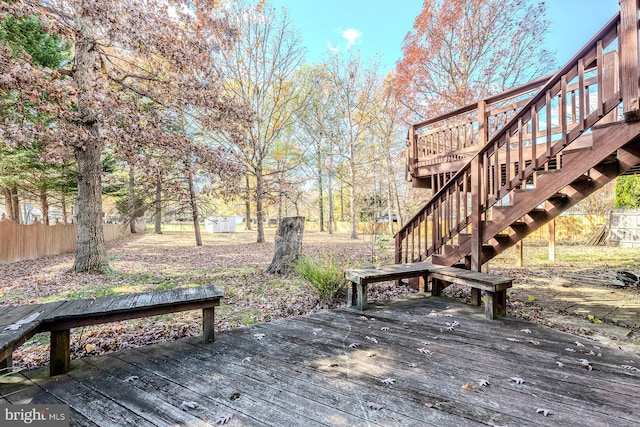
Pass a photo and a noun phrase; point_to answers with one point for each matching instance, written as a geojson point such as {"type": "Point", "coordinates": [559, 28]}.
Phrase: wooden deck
{"type": "Point", "coordinates": [306, 372]}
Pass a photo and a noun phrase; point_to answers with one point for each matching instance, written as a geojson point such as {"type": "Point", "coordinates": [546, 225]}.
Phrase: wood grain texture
{"type": "Point", "coordinates": [304, 371]}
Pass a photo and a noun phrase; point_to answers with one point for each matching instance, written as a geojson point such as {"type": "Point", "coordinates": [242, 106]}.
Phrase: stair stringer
{"type": "Point", "coordinates": [620, 140]}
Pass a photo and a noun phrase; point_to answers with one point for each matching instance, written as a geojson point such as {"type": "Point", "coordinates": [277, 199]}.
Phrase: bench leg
{"type": "Point", "coordinates": [495, 304]}
{"type": "Point", "coordinates": [208, 317]}
{"type": "Point", "coordinates": [351, 293]}
{"type": "Point", "coordinates": [357, 296]}
{"type": "Point", "coordinates": [476, 299]}
{"type": "Point", "coordinates": [7, 362]}
{"type": "Point", "coordinates": [362, 296]}
{"type": "Point", "coordinates": [60, 352]}
{"type": "Point", "coordinates": [436, 287]}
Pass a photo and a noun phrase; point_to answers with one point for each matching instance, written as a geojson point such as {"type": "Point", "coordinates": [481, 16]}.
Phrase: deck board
{"type": "Point", "coordinates": [303, 372]}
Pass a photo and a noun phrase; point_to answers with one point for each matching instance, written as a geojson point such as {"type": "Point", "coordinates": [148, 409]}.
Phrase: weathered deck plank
{"type": "Point", "coordinates": [303, 372]}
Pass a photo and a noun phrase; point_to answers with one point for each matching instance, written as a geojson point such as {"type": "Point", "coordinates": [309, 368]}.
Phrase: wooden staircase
{"type": "Point", "coordinates": [578, 132]}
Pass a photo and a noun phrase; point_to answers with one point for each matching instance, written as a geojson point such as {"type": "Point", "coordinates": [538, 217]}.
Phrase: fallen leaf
{"type": "Point", "coordinates": [374, 406]}
{"type": "Point", "coordinates": [223, 419]}
{"type": "Point", "coordinates": [517, 380]}
{"type": "Point", "coordinates": [89, 347]}
{"type": "Point", "coordinates": [388, 381]}
{"type": "Point", "coordinates": [544, 412]}
{"type": "Point", "coordinates": [586, 364]}
{"type": "Point", "coordinates": [186, 405]}
{"type": "Point", "coordinates": [467, 386]}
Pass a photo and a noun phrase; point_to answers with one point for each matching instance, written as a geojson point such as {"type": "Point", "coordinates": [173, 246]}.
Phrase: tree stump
{"type": "Point", "coordinates": [288, 244]}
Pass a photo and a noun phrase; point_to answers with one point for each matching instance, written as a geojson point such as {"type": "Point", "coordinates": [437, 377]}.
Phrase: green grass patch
{"type": "Point", "coordinates": [325, 274]}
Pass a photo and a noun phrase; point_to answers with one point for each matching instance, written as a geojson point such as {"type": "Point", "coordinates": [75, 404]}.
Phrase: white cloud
{"type": "Point", "coordinates": [351, 35]}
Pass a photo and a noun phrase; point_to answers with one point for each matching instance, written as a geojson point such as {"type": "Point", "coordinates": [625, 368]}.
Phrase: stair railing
{"type": "Point", "coordinates": [583, 92]}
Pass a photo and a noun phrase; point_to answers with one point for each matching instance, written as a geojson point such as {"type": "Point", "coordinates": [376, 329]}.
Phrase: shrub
{"type": "Point", "coordinates": [325, 274]}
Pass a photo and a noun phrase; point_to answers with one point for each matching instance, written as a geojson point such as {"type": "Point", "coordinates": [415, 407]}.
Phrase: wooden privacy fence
{"type": "Point", "coordinates": [20, 242]}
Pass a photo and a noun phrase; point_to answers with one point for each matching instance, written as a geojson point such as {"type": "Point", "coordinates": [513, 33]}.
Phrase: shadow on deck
{"type": "Point", "coordinates": [308, 371]}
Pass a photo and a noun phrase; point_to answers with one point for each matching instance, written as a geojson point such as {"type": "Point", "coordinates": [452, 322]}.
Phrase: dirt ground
{"type": "Point", "coordinates": [576, 293]}
{"type": "Point", "coordinates": [573, 294]}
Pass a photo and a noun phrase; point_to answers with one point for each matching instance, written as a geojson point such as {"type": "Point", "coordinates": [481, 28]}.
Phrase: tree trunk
{"type": "Point", "coordinates": [131, 202]}
{"type": "Point", "coordinates": [330, 189]}
{"type": "Point", "coordinates": [91, 255]}
{"type": "Point", "coordinates": [320, 195]}
{"type": "Point", "coordinates": [247, 204]}
{"type": "Point", "coordinates": [7, 202]}
{"type": "Point", "coordinates": [63, 202]}
{"type": "Point", "coordinates": [194, 209]}
{"type": "Point", "coordinates": [158, 207]}
{"type": "Point", "coordinates": [44, 207]}
{"type": "Point", "coordinates": [259, 213]}
{"type": "Point", "coordinates": [14, 204]}
{"type": "Point", "coordinates": [288, 244]}
{"type": "Point", "coordinates": [352, 196]}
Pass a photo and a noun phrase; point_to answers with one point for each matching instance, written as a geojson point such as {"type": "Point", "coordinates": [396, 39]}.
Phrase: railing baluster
{"type": "Point", "coordinates": [534, 136]}
{"type": "Point", "coordinates": [562, 107]}
{"type": "Point", "coordinates": [520, 149]}
{"type": "Point", "coordinates": [549, 122]}
{"type": "Point", "coordinates": [581, 94]}
{"type": "Point", "coordinates": [600, 66]}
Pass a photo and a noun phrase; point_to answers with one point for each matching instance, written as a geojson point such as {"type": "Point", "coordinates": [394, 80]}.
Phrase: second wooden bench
{"type": "Point", "coordinates": [494, 287]}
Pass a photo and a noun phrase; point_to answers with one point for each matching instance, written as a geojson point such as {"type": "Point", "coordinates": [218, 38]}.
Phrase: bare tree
{"type": "Point", "coordinates": [261, 68]}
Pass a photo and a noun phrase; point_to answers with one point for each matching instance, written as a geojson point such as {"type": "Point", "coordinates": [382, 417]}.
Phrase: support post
{"type": "Point", "coordinates": [629, 59]}
{"type": "Point", "coordinates": [476, 192]}
{"type": "Point", "coordinates": [520, 253]}
{"type": "Point", "coordinates": [552, 240]}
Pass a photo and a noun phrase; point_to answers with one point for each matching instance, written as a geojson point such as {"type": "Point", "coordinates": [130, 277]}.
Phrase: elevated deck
{"type": "Point", "coordinates": [412, 360]}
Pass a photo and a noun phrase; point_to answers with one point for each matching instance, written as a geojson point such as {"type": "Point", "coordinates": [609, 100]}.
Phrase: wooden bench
{"type": "Point", "coordinates": [22, 322]}
{"type": "Point", "coordinates": [495, 287]}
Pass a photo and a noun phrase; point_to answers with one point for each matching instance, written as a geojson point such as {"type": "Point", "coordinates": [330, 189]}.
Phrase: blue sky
{"type": "Point", "coordinates": [379, 26]}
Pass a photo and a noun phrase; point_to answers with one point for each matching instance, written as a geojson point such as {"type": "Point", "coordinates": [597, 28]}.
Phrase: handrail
{"type": "Point", "coordinates": [448, 212]}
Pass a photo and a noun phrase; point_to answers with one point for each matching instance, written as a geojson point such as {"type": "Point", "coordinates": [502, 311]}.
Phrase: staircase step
{"type": "Point", "coordinates": [538, 215]}
{"type": "Point", "coordinates": [502, 239]}
{"type": "Point", "coordinates": [520, 228]}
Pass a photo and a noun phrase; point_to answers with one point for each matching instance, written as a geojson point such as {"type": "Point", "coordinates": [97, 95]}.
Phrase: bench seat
{"type": "Point", "coordinates": [60, 316]}
{"type": "Point", "coordinates": [440, 276]}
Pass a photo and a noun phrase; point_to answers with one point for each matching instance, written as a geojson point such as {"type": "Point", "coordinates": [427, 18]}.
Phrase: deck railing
{"type": "Point", "coordinates": [586, 90]}
{"type": "Point", "coordinates": [453, 136]}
